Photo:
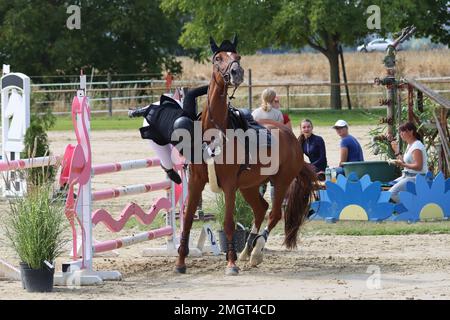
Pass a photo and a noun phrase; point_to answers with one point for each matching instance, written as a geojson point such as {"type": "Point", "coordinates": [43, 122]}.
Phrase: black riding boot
{"type": "Point", "coordinates": [173, 175]}
{"type": "Point", "coordinates": [138, 112]}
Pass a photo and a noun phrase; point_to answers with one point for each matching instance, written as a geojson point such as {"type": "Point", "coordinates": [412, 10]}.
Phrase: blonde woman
{"type": "Point", "coordinates": [267, 109]}
{"type": "Point", "coordinates": [286, 120]}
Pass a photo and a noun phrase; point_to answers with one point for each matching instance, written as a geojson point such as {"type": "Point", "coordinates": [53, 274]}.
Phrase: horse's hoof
{"type": "Point", "coordinates": [245, 255]}
{"type": "Point", "coordinates": [181, 270]}
{"type": "Point", "coordinates": [232, 271]}
{"type": "Point", "coordinates": [257, 253]}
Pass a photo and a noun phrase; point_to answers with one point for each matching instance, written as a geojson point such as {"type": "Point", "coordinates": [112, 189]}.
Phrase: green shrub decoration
{"type": "Point", "coordinates": [243, 212]}
{"type": "Point", "coordinates": [36, 224]}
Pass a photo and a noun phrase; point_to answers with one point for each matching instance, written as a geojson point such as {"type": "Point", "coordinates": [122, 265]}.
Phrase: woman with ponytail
{"type": "Point", "coordinates": [267, 109]}
{"type": "Point", "coordinates": [413, 162]}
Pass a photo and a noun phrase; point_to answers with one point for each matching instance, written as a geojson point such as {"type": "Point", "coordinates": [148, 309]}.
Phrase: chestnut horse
{"type": "Point", "coordinates": [293, 176]}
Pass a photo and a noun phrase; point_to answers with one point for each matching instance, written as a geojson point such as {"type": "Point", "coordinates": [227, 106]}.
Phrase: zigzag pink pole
{"type": "Point", "coordinates": [132, 209]}
{"type": "Point", "coordinates": [129, 190]}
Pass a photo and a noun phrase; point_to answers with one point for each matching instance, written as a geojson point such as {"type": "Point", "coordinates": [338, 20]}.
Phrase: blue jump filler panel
{"type": "Point", "coordinates": [426, 199]}
{"type": "Point", "coordinates": [353, 199]}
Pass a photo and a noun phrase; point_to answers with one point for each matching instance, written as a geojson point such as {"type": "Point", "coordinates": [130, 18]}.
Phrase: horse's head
{"type": "Point", "coordinates": [226, 62]}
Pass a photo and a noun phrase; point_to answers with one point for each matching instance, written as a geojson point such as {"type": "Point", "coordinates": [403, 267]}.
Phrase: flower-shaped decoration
{"type": "Point", "coordinates": [353, 199]}
{"type": "Point", "coordinates": [426, 199]}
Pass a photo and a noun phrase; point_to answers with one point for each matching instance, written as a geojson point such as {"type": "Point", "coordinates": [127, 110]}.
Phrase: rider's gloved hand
{"type": "Point", "coordinates": [138, 112]}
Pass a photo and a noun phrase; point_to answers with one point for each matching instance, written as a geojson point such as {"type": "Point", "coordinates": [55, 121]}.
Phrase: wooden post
{"type": "Point", "coordinates": [341, 54]}
{"type": "Point", "coordinates": [288, 98]}
{"type": "Point", "coordinates": [410, 103]}
{"type": "Point", "coordinates": [420, 100]}
{"type": "Point", "coordinates": [109, 95]}
{"type": "Point", "coordinates": [392, 99]}
{"type": "Point", "coordinates": [250, 95]}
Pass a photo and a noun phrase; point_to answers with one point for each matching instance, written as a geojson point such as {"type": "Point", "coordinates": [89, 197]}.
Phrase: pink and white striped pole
{"type": "Point", "coordinates": [109, 245]}
{"type": "Point", "coordinates": [129, 190]}
{"type": "Point", "coordinates": [124, 166]}
{"type": "Point", "coordinates": [29, 163]}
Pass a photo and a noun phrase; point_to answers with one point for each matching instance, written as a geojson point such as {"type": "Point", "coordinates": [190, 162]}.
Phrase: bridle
{"type": "Point", "coordinates": [226, 76]}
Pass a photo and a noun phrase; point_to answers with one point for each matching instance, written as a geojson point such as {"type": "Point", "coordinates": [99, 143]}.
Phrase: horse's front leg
{"type": "Point", "coordinates": [194, 195]}
{"type": "Point", "coordinates": [229, 228]}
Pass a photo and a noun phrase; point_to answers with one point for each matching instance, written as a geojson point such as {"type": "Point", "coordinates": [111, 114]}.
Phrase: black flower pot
{"type": "Point", "coordinates": [37, 280]}
{"type": "Point", "coordinates": [239, 238]}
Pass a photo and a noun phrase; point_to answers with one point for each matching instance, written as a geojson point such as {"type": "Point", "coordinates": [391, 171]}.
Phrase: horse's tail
{"type": "Point", "coordinates": [299, 197]}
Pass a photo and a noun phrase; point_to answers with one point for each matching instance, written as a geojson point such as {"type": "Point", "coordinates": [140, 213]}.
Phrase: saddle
{"type": "Point", "coordinates": [243, 119]}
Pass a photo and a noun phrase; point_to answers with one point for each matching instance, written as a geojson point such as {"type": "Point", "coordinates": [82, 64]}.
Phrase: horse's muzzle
{"type": "Point", "coordinates": [237, 74]}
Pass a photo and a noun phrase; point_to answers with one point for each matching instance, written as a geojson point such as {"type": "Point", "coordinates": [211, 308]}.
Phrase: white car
{"type": "Point", "coordinates": [375, 45]}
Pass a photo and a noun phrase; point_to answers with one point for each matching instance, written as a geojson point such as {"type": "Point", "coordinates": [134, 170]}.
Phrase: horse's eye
{"type": "Point", "coordinates": [218, 59]}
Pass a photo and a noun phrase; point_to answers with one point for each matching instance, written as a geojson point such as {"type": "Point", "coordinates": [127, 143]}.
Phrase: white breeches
{"type": "Point", "coordinates": [163, 153]}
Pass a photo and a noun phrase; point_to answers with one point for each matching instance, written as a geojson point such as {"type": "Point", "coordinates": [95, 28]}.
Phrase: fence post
{"type": "Point", "coordinates": [109, 95]}
{"type": "Point", "coordinates": [151, 90]}
{"type": "Point", "coordinates": [250, 96]}
{"type": "Point", "coordinates": [288, 99]}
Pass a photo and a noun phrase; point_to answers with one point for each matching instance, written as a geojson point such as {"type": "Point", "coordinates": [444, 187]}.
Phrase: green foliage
{"type": "Point", "coordinates": [380, 145]}
{"type": "Point", "coordinates": [35, 226]}
{"type": "Point", "coordinates": [321, 24]}
{"type": "Point", "coordinates": [243, 212]}
{"type": "Point", "coordinates": [37, 144]}
{"type": "Point", "coordinates": [122, 36]}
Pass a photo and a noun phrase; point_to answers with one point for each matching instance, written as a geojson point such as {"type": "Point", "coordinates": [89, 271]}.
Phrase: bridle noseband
{"type": "Point", "coordinates": [225, 73]}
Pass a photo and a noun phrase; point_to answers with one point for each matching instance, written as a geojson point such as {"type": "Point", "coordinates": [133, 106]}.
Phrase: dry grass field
{"type": "Point", "coordinates": [277, 70]}
{"type": "Point", "coordinates": [315, 67]}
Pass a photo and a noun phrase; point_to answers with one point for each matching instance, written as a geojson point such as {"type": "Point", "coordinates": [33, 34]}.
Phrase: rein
{"type": "Point", "coordinates": [226, 79]}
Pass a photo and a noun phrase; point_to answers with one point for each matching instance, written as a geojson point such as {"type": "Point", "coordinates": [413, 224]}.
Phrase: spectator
{"type": "Point", "coordinates": [313, 147]}
{"type": "Point", "coordinates": [266, 110]}
{"type": "Point", "coordinates": [414, 161]}
{"type": "Point", "coordinates": [350, 149]}
{"type": "Point", "coordinates": [286, 119]}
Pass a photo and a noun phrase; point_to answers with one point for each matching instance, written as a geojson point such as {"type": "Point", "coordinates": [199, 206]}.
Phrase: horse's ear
{"type": "Point", "coordinates": [235, 40]}
{"type": "Point", "coordinates": [213, 44]}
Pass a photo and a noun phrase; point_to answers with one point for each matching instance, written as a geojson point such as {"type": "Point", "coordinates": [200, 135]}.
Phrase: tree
{"type": "Point", "coordinates": [123, 36]}
{"type": "Point", "coordinates": [321, 24]}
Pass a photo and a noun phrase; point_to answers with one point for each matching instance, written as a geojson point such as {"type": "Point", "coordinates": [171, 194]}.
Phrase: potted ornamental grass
{"type": "Point", "coordinates": [35, 226]}
{"type": "Point", "coordinates": [243, 217]}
